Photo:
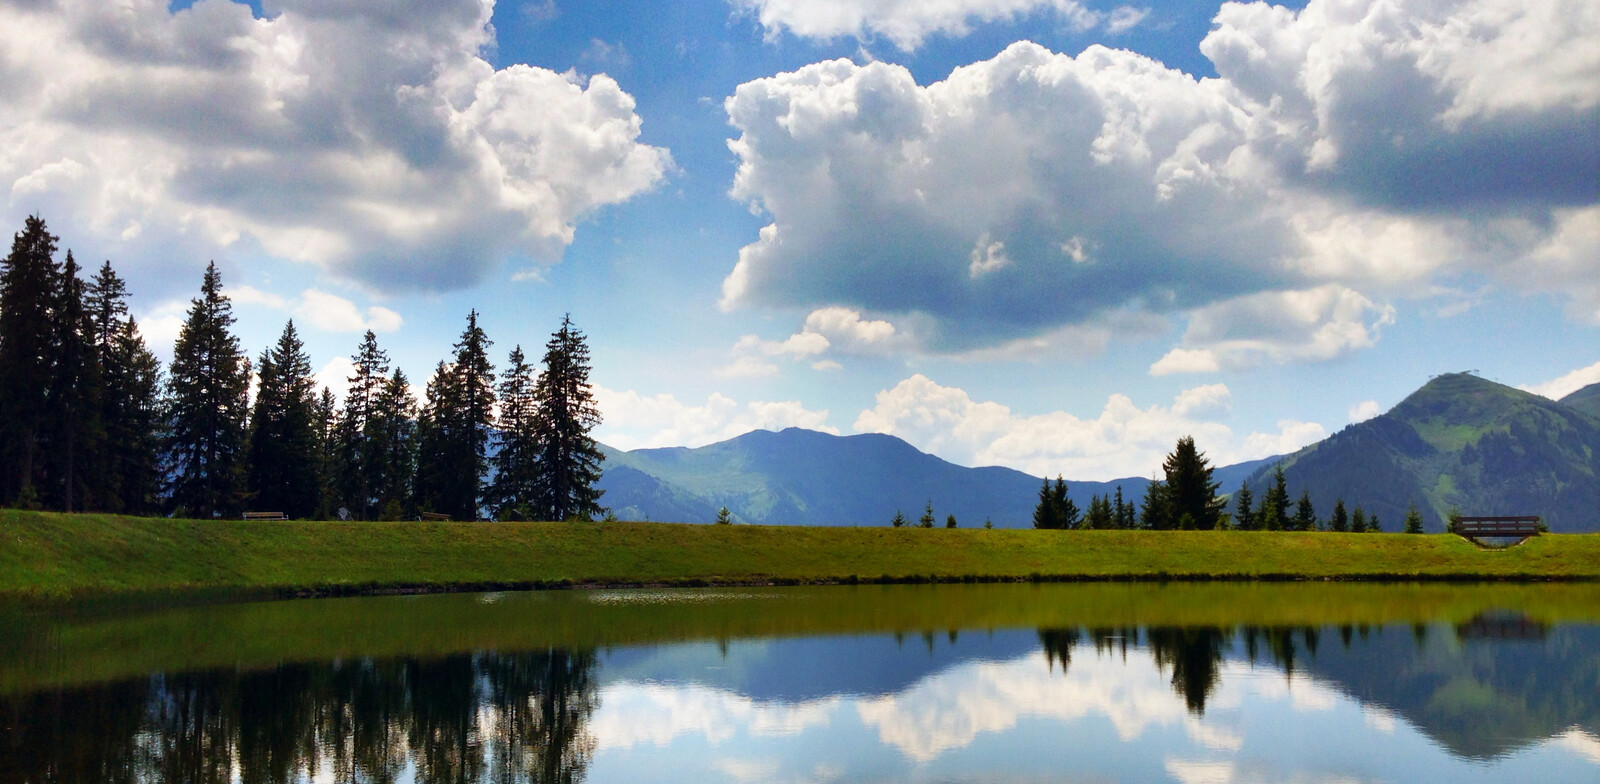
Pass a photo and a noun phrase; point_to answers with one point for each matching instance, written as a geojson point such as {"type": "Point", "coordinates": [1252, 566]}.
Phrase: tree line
{"type": "Point", "coordinates": [90, 422]}
{"type": "Point", "coordinates": [1185, 498]}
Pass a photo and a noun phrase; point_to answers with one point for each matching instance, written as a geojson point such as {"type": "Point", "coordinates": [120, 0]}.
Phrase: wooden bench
{"type": "Point", "coordinates": [435, 517]}
{"type": "Point", "coordinates": [264, 516]}
{"type": "Point", "coordinates": [1519, 528]}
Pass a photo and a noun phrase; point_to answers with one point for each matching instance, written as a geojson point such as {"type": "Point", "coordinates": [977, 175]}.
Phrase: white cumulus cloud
{"type": "Point", "coordinates": [635, 421]}
{"type": "Point", "coordinates": [907, 22]}
{"type": "Point", "coordinates": [1558, 388]}
{"type": "Point", "coordinates": [373, 139]}
{"type": "Point", "coordinates": [1121, 440]}
{"type": "Point", "coordinates": [1350, 153]}
{"type": "Point", "coordinates": [1278, 327]}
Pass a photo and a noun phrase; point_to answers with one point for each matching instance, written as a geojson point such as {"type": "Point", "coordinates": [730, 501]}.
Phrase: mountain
{"type": "Point", "coordinates": [1586, 400]}
{"type": "Point", "coordinates": [802, 477]}
{"type": "Point", "coordinates": [1465, 442]}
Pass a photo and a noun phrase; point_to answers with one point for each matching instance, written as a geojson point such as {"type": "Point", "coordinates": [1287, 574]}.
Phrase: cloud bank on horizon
{"type": "Point", "coordinates": [369, 138]}
{"type": "Point", "coordinates": [1348, 154]}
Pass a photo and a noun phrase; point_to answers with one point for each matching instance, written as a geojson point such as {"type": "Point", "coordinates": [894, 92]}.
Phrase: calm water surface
{"type": "Point", "coordinates": [1137, 683]}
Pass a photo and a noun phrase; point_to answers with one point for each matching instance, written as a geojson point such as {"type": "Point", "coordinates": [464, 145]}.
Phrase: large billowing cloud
{"type": "Point", "coordinates": [1351, 153]}
{"type": "Point", "coordinates": [1122, 440]}
{"type": "Point", "coordinates": [369, 137]}
{"type": "Point", "coordinates": [907, 22]}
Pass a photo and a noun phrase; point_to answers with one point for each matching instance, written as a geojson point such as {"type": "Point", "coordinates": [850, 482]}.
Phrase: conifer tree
{"type": "Point", "coordinates": [724, 517]}
{"type": "Point", "coordinates": [1124, 511]}
{"type": "Point", "coordinates": [1056, 510]}
{"type": "Point", "coordinates": [926, 521]}
{"type": "Point", "coordinates": [76, 435]}
{"type": "Point", "coordinates": [1275, 507]}
{"type": "Point", "coordinates": [208, 398]}
{"type": "Point", "coordinates": [565, 414]}
{"type": "Point", "coordinates": [436, 427]}
{"type": "Point", "coordinates": [1192, 495]}
{"type": "Point", "coordinates": [283, 431]}
{"type": "Point", "coordinates": [130, 383]}
{"type": "Point", "coordinates": [359, 463]}
{"type": "Point", "coordinates": [1373, 525]}
{"type": "Point", "coordinates": [133, 420]}
{"type": "Point", "coordinates": [327, 427]}
{"type": "Point", "coordinates": [1153, 511]}
{"type": "Point", "coordinates": [1244, 516]}
{"type": "Point", "coordinates": [392, 443]}
{"type": "Point", "coordinates": [513, 493]}
{"type": "Point", "coordinates": [474, 419]}
{"type": "Point", "coordinates": [1413, 519]}
{"type": "Point", "coordinates": [899, 520]}
{"type": "Point", "coordinates": [27, 295]}
{"type": "Point", "coordinates": [1358, 521]}
{"type": "Point", "coordinates": [1340, 521]}
{"type": "Point", "coordinates": [1100, 516]}
{"type": "Point", "coordinates": [950, 521]}
{"type": "Point", "coordinates": [1305, 515]}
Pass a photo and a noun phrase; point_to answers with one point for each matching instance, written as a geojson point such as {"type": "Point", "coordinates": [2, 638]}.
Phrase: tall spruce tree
{"type": "Point", "coordinates": [358, 461]}
{"type": "Point", "coordinates": [1340, 521]}
{"type": "Point", "coordinates": [1055, 509]}
{"type": "Point", "coordinates": [1244, 513]}
{"type": "Point", "coordinates": [564, 416]}
{"type": "Point", "coordinates": [1191, 492]}
{"type": "Point", "coordinates": [207, 402]}
{"type": "Point", "coordinates": [1100, 515]}
{"type": "Point", "coordinates": [475, 420]}
{"type": "Point", "coordinates": [514, 493]}
{"type": "Point", "coordinates": [327, 427]}
{"type": "Point", "coordinates": [1275, 513]}
{"type": "Point", "coordinates": [1154, 511]}
{"type": "Point", "coordinates": [392, 441]}
{"type": "Point", "coordinates": [283, 431]}
{"type": "Point", "coordinates": [28, 279]}
{"type": "Point", "coordinates": [134, 419]}
{"type": "Point", "coordinates": [76, 435]}
{"type": "Point", "coordinates": [130, 383]}
{"type": "Point", "coordinates": [1305, 515]}
{"type": "Point", "coordinates": [1127, 513]}
{"type": "Point", "coordinates": [436, 425]}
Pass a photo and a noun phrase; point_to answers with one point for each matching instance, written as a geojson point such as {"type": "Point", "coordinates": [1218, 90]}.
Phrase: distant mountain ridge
{"type": "Point", "coordinates": [803, 477]}
{"type": "Point", "coordinates": [1465, 442]}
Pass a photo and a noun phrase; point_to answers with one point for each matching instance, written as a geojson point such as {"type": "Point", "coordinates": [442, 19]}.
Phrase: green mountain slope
{"type": "Point", "coordinates": [1586, 400]}
{"type": "Point", "coordinates": [1459, 441]}
{"type": "Point", "coordinates": [802, 477]}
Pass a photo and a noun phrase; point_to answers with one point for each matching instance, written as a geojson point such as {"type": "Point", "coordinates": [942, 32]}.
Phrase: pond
{"type": "Point", "coordinates": [1184, 683]}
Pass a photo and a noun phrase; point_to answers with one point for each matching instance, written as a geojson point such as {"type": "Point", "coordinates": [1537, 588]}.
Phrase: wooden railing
{"type": "Point", "coordinates": [264, 516]}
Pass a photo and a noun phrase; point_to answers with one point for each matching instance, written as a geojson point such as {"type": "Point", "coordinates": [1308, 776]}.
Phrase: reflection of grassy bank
{"type": "Point", "coordinates": [55, 554]}
{"type": "Point", "coordinates": [59, 644]}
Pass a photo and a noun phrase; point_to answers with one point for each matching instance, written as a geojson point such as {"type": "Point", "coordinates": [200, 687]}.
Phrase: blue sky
{"type": "Point", "coordinates": [1024, 232]}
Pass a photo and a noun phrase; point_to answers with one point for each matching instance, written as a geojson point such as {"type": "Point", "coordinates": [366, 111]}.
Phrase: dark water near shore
{"type": "Point", "coordinates": [1181, 683]}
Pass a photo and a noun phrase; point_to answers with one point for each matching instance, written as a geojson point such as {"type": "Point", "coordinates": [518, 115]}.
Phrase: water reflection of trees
{"type": "Point", "coordinates": [468, 718]}
{"type": "Point", "coordinates": [1192, 654]}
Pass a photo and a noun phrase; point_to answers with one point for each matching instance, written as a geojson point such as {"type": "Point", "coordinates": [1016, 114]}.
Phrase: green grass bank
{"type": "Point", "coordinates": [47, 554]}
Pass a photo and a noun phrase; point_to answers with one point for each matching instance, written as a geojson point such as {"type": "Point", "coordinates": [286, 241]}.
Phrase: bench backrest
{"type": "Point", "coordinates": [1490, 526]}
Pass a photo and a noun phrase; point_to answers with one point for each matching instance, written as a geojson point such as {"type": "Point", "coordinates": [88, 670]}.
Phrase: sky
{"type": "Point", "coordinates": [1035, 233]}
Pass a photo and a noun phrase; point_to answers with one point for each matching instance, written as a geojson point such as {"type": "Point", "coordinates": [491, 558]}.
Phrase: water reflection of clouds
{"type": "Point", "coordinates": [1228, 772]}
{"type": "Point", "coordinates": [633, 713]}
{"type": "Point", "coordinates": [949, 710]}
{"type": "Point", "coordinates": [1579, 742]}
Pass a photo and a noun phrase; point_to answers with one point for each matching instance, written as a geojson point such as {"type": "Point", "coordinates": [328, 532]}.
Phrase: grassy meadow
{"type": "Point", "coordinates": [46, 554]}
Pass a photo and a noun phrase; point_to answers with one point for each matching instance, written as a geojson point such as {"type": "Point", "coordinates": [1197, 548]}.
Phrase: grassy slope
{"type": "Point", "coordinates": [54, 554]}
